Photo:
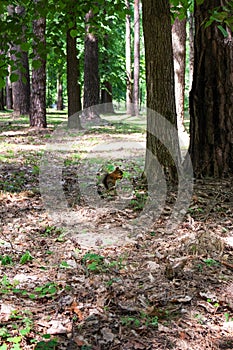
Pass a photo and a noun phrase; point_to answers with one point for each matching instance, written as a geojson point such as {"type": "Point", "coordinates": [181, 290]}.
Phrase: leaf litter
{"type": "Point", "coordinates": [157, 290]}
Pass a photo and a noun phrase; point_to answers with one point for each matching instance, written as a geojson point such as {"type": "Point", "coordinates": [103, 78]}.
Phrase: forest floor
{"type": "Point", "coordinates": [83, 272]}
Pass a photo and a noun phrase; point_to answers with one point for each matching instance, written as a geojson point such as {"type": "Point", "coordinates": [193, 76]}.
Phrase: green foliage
{"type": "Point", "coordinates": [142, 319]}
{"type": "Point", "coordinates": [221, 15]}
{"type": "Point", "coordinates": [47, 345]}
{"type": "Point", "coordinates": [180, 8]}
{"type": "Point", "coordinates": [93, 261]}
{"type": "Point", "coordinates": [49, 289]}
{"type": "Point", "coordinates": [6, 260]}
{"type": "Point", "coordinates": [211, 262]}
{"type": "Point", "coordinates": [26, 257]}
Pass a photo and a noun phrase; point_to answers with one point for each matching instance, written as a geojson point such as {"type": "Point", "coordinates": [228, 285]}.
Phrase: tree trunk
{"type": "Point", "coordinates": [2, 100]}
{"type": "Point", "coordinates": [211, 103]}
{"type": "Point", "coordinates": [179, 54]}
{"type": "Point", "coordinates": [106, 97]}
{"type": "Point", "coordinates": [106, 91]}
{"type": "Point", "coordinates": [162, 136]}
{"type": "Point", "coordinates": [91, 70]}
{"type": "Point", "coordinates": [73, 87]}
{"type": "Point", "coordinates": [129, 87]}
{"type": "Point", "coordinates": [9, 97]}
{"type": "Point", "coordinates": [21, 87]}
{"type": "Point", "coordinates": [136, 58]}
{"type": "Point", "coordinates": [191, 48]}
{"type": "Point", "coordinates": [38, 87]}
{"type": "Point", "coordinates": [59, 93]}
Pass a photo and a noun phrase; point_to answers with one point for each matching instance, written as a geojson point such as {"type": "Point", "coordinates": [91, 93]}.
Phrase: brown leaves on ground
{"type": "Point", "coordinates": [161, 290]}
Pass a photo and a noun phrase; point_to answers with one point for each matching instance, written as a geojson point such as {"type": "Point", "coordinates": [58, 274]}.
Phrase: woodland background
{"type": "Point", "coordinates": [159, 289]}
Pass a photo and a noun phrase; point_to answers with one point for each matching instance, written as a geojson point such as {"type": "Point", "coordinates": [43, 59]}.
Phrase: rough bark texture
{"type": "Point", "coordinates": [129, 87]}
{"type": "Point", "coordinates": [160, 82]}
{"type": "Point", "coordinates": [106, 97]}
{"type": "Point", "coordinates": [9, 98]}
{"type": "Point", "coordinates": [191, 48]}
{"type": "Point", "coordinates": [136, 58]}
{"type": "Point", "coordinates": [59, 93]}
{"type": "Point", "coordinates": [38, 87]}
{"type": "Point", "coordinates": [2, 100]}
{"type": "Point", "coordinates": [106, 91]}
{"type": "Point", "coordinates": [179, 50]}
{"type": "Point", "coordinates": [91, 68]}
{"type": "Point", "coordinates": [73, 86]}
{"type": "Point", "coordinates": [21, 87]}
{"type": "Point", "coordinates": [211, 98]}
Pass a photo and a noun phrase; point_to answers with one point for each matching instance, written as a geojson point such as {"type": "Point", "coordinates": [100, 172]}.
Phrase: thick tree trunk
{"type": "Point", "coordinates": [106, 91]}
{"type": "Point", "coordinates": [211, 103]}
{"type": "Point", "coordinates": [136, 58]}
{"type": "Point", "coordinates": [59, 93]}
{"type": "Point", "coordinates": [2, 100]}
{"type": "Point", "coordinates": [73, 87]}
{"type": "Point", "coordinates": [38, 87]}
{"type": "Point", "coordinates": [21, 87]}
{"type": "Point", "coordinates": [191, 48]}
{"type": "Point", "coordinates": [9, 98]}
{"type": "Point", "coordinates": [160, 87]}
{"type": "Point", "coordinates": [106, 97]}
{"type": "Point", "coordinates": [129, 87]}
{"type": "Point", "coordinates": [91, 70]}
{"type": "Point", "coordinates": [179, 54]}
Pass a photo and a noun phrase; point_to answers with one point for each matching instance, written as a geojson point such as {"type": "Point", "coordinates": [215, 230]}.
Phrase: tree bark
{"type": "Point", "coordinates": [129, 87]}
{"type": "Point", "coordinates": [106, 91]}
{"type": "Point", "coordinates": [136, 58]}
{"type": "Point", "coordinates": [179, 55]}
{"type": "Point", "coordinates": [160, 87]}
{"type": "Point", "coordinates": [2, 100]}
{"type": "Point", "coordinates": [9, 97]}
{"type": "Point", "coordinates": [73, 86]}
{"type": "Point", "coordinates": [38, 87]}
{"type": "Point", "coordinates": [59, 93]}
{"type": "Point", "coordinates": [106, 97]}
{"type": "Point", "coordinates": [191, 48]}
{"type": "Point", "coordinates": [91, 70]}
{"type": "Point", "coordinates": [21, 87]}
{"type": "Point", "coordinates": [211, 102]}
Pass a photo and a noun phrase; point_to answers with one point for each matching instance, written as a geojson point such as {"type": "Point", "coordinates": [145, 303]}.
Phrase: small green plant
{"type": "Point", "coordinates": [21, 328]}
{"type": "Point", "coordinates": [6, 260]}
{"type": "Point", "coordinates": [227, 317]}
{"type": "Point", "coordinates": [26, 257]}
{"type": "Point", "coordinates": [49, 289]}
{"type": "Point", "coordinates": [50, 230]}
{"type": "Point", "coordinates": [143, 319]}
{"type": "Point", "coordinates": [35, 169]}
{"type": "Point", "coordinates": [93, 261]}
{"type": "Point", "coordinates": [211, 262]}
{"type": "Point", "coordinates": [50, 344]}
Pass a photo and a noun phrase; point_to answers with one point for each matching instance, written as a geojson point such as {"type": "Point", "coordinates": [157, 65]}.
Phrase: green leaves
{"type": "Point", "coordinates": [223, 31]}
{"type": "Point", "coordinates": [74, 33]}
{"type": "Point", "coordinates": [14, 77]}
{"type": "Point", "coordinates": [36, 64]}
{"type": "Point", "coordinates": [25, 258]}
{"type": "Point", "coordinates": [25, 46]}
